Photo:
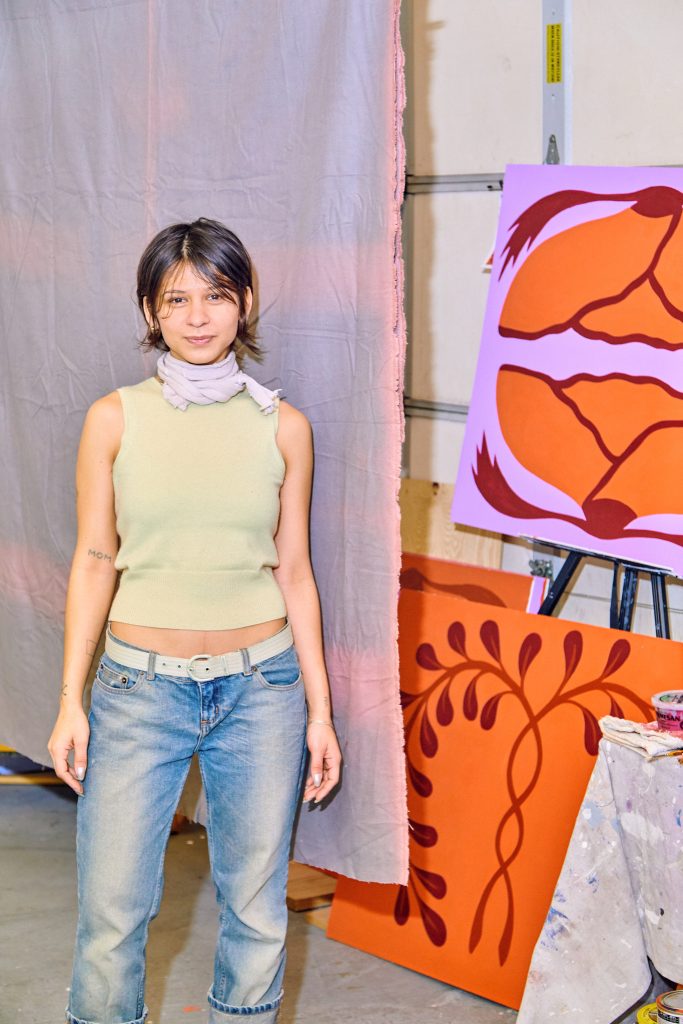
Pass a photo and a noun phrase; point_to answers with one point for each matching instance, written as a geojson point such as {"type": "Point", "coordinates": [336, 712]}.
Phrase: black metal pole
{"type": "Point", "coordinates": [558, 586]}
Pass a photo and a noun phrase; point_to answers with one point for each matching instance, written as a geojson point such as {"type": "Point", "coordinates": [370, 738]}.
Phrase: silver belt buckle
{"type": "Point", "coordinates": [195, 657]}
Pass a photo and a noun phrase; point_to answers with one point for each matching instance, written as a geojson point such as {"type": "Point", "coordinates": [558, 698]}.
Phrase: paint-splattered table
{"type": "Point", "coordinates": [619, 898]}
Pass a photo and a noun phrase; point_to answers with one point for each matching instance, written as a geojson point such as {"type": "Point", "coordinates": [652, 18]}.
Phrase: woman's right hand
{"type": "Point", "coordinates": [71, 732]}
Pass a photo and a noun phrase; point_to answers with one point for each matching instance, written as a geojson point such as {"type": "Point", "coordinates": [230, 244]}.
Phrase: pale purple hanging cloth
{"type": "Point", "coordinates": [185, 382]}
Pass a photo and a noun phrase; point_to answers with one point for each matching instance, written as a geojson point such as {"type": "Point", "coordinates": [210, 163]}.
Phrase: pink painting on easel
{"type": "Point", "coordinates": [575, 429]}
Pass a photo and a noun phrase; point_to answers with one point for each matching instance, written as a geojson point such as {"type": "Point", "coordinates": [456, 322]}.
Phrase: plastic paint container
{"type": "Point", "coordinates": [647, 1014]}
{"type": "Point", "coordinates": [670, 1007]}
{"type": "Point", "coordinates": [669, 708]}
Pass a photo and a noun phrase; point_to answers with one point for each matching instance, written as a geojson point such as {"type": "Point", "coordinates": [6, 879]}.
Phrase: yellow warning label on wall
{"type": "Point", "coordinates": [553, 50]}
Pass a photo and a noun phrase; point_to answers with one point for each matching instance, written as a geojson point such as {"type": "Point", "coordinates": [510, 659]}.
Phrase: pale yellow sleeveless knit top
{"type": "Point", "coordinates": [197, 500]}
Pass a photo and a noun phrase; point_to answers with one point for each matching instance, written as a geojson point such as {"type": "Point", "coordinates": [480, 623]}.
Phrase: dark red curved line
{"type": "Point", "coordinates": [556, 389]}
{"type": "Point", "coordinates": [579, 378]}
{"type": "Point", "coordinates": [646, 339]}
{"type": "Point", "coordinates": [654, 283]}
{"type": "Point", "coordinates": [514, 811]}
{"type": "Point", "coordinates": [664, 299]}
{"type": "Point", "coordinates": [574, 321]}
{"type": "Point", "coordinates": [634, 445]}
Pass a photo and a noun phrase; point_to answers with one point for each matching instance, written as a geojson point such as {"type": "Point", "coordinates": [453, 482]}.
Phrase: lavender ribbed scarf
{"type": "Point", "coordinates": [185, 382]}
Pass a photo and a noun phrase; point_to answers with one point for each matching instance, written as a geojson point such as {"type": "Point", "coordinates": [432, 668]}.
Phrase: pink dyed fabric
{"type": "Point", "coordinates": [287, 126]}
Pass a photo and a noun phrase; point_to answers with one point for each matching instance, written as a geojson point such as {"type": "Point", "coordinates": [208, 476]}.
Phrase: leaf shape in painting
{"type": "Point", "coordinates": [444, 707]}
{"type": "Point", "coordinates": [421, 784]}
{"type": "Point", "coordinates": [434, 925]}
{"type": "Point", "coordinates": [456, 637]}
{"type": "Point", "coordinates": [428, 740]}
{"type": "Point", "coordinates": [407, 698]}
{"type": "Point", "coordinates": [591, 731]}
{"type": "Point", "coordinates": [490, 637]}
{"type": "Point", "coordinates": [426, 658]}
{"type": "Point", "coordinates": [573, 649]}
{"type": "Point", "coordinates": [617, 656]}
{"type": "Point", "coordinates": [489, 711]}
{"type": "Point", "coordinates": [433, 883]}
{"type": "Point", "coordinates": [615, 709]}
{"type": "Point", "coordinates": [402, 905]}
{"type": "Point", "coordinates": [425, 835]}
{"type": "Point", "coordinates": [531, 645]}
{"type": "Point", "coordinates": [470, 707]}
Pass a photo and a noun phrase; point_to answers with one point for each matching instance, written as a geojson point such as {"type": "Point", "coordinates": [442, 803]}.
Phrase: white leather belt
{"type": "Point", "coordinates": [199, 666]}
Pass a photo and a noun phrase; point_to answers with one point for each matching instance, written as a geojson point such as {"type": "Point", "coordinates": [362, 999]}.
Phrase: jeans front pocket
{"type": "Point", "coordinates": [117, 678]}
{"type": "Point", "coordinates": [282, 672]}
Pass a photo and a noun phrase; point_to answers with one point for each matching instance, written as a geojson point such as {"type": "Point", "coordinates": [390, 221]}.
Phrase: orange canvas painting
{"type": "Point", "coordinates": [577, 410]}
{"type": "Point", "coordinates": [471, 582]}
{"type": "Point", "coordinates": [501, 716]}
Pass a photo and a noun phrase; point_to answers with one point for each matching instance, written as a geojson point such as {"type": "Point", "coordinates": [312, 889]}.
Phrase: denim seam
{"type": "Point", "coordinates": [79, 1020]}
{"type": "Point", "coordinates": [275, 686]}
{"type": "Point", "coordinates": [121, 689]}
{"type": "Point", "coordinates": [210, 830]}
{"type": "Point", "coordinates": [245, 1011]}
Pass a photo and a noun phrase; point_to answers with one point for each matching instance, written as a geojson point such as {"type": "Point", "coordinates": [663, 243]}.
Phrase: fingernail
{"type": "Point", "coordinates": [80, 772]}
{"type": "Point", "coordinates": [317, 779]}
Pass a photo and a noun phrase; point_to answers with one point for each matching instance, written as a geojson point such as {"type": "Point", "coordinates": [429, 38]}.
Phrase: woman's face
{"type": "Point", "coordinates": [197, 323]}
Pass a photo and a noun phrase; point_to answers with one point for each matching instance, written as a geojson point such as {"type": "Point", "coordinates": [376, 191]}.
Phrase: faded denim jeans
{"type": "Point", "coordinates": [249, 731]}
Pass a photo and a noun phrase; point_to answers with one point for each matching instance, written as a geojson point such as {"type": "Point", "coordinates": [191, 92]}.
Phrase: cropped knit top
{"type": "Point", "coordinates": [197, 502]}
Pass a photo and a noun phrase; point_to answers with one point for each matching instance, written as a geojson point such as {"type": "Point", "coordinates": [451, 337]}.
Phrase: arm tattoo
{"type": "Point", "coordinates": [102, 555]}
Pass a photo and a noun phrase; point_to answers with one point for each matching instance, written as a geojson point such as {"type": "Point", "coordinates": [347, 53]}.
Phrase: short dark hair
{"type": "Point", "coordinates": [216, 254]}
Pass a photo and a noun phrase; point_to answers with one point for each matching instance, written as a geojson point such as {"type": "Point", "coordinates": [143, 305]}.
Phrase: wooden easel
{"type": "Point", "coordinates": [621, 605]}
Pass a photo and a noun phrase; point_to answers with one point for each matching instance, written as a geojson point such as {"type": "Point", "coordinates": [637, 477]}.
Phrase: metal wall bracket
{"type": "Point", "coordinates": [416, 184]}
{"type": "Point", "coordinates": [419, 407]}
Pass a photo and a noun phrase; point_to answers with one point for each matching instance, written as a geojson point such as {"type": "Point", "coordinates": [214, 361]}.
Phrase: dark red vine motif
{"type": "Point", "coordinates": [434, 709]}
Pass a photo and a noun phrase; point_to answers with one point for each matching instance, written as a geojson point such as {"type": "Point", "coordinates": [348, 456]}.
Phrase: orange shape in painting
{"type": "Point", "coordinates": [647, 478]}
{"type": "Point", "coordinates": [587, 262]}
{"type": "Point", "coordinates": [637, 317]}
{"type": "Point", "coordinates": [622, 409]}
{"type": "Point", "coordinates": [540, 429]}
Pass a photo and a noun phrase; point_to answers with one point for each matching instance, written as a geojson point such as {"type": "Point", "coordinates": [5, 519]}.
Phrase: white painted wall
{"type": "Point", "coordinates": [474, 80]}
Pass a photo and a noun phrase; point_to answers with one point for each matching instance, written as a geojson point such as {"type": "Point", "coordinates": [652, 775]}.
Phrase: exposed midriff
{"type": "Point", "coordinates": [184, 643]}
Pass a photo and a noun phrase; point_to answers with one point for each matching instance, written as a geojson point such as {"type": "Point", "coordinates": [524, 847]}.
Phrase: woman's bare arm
{"type": "Point", "coordinates": [295, 578]}
{"type": "Point", "coordinates": [92, 580]}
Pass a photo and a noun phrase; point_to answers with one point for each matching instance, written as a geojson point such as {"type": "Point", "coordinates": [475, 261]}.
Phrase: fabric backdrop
{"type": "Point", "coordinates": [283, 119]}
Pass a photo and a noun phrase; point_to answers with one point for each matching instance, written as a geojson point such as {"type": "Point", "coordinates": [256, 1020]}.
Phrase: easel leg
{"type": "Point", "coordinates": [559, 585]}
{"type": "Point", "coordinates": [614, 600]}
{"type": "Point", "coordinates": [660, 606]}
{"type": "Point", "coordinates": [628, 599]}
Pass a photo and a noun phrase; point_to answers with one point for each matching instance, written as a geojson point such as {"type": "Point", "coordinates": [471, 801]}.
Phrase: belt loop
{"type": "Point", "coordinates": [246, 661]}
{"type": "Point", "coordinates": [150, 665]}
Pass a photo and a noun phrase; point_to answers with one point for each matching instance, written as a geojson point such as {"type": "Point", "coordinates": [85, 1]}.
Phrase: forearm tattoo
{"type": "Point", "coordinates": [102, 556]}
{"type": "Point", "coordinates": [90, 648]}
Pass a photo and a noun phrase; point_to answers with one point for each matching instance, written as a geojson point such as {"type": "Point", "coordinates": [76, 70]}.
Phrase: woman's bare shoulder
{"type": "Point", "coordinates": [104, 422]}
{"type": "Point", "coordinates": [294, 431]}
{"type": "Point", "coordinates": [290, 414]}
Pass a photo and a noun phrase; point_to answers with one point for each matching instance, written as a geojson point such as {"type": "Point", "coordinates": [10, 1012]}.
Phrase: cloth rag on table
{"type": "Point", "coordinates": [643, 737]}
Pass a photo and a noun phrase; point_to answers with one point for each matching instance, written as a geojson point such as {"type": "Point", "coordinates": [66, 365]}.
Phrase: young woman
{"type": "Point", "coordinates": [213, 640]}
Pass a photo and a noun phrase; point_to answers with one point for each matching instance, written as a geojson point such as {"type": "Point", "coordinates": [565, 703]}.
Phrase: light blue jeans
{"type": "Point", "coordinates": [249, 731]}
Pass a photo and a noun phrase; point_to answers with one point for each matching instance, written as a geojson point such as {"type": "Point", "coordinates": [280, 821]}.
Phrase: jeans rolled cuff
{"type": "Point", "coordinates": [269, 1008]}
{"type": "Point", "coordinates": [70, 1019]}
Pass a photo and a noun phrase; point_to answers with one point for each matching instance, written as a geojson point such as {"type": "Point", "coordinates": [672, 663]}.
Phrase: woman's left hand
{"type": "Point", "coordinates": [325, 762]}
